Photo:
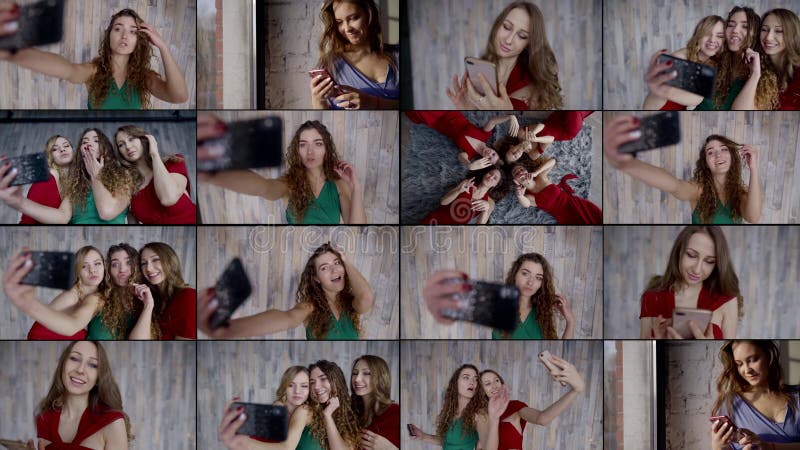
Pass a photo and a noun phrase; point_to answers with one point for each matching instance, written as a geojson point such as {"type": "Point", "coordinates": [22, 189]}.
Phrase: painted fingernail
{"type": "Point", "coordinates": [14, 171]}
{"type": "Point", "coordinates": [28, 263]}
{"type": "Point", "coordinates": [669, 63]}
{"type": "Point", "coordinates": [663, 50]}
{"type": "Point", "coordinates": [220, 126]}
{"type": "Point", "coordinates": [636, 121]}
{"type": "Point", "coordinates": [213, 305]}
{"type": "Point", "coordinates": [466, 286]}
{"type": "Point", "coordinates": [11, 27]}
{"type": "Point", "coordinates": [635, 134]}
{"type": "Point", "coordinates": [235, 398]}
{"type": "Point", "coordinates": [242, 417]}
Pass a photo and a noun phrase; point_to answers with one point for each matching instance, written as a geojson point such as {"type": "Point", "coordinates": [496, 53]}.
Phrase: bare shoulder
{"type": "Point", "coordinates": [682, 53]}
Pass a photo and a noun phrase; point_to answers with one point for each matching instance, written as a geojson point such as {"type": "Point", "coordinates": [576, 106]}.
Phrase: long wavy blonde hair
{"type": "Point", "coordinates": [62, 171]}
{"type": "Point", "coordinates": [734, 186]}
{"type": "Point", "coordinates": [701, 30]}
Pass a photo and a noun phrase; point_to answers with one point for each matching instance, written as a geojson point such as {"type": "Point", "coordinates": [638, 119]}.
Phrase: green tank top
{"type": "Point", "coordinates": [119, 98]}
{"type": "Point", "coordinates": [708, 103]}
{"type": "Point", "coordinates": [88, 215]}
{"type": "Point", "coordinates": [527, 330]}
{"type": "Point", "coordinates": [324, 210]}
{"type": "Point", "coordinates": [338, 330]}
{"type": "Point", "coordinates": [308, 441]}
{"type": "Point", "coordinates": [97, 330]}
{"type": "Point", "coordinates": [723, 215]}
{"type": "Point", "coordinates": [454, 439]}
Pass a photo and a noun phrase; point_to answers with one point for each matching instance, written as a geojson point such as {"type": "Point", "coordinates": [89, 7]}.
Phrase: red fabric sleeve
{"type": "Point", "coordinates": [39, 332]}
{"type": "Point", "coordinates": [564, 125]}
{"type": "Point", "coordinates": [180, 316]}
{"type": "Point", "coordinates": [657, 303]}
{"type": "Point", "coordinates": [672, 106]}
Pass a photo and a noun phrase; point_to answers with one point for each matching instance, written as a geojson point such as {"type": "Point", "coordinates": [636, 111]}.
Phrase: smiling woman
{"type": "Point", "coordinates": [174, 301]}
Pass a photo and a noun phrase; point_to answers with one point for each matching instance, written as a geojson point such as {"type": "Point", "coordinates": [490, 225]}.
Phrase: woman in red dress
{"type": "Point", "coordinates": [175, 301]}
{"type": "Point", "coordinates": [162, 183]}
{"type": "Point", "coordinates": [59, 153]}
{"type": "Point", "coordinates": [467, 201]}
{"type": "Point", "coordinates": [699, 275]}
{"type": "Point", "coordinates": [780, 47]}
{"type": "Point", "coordinates": [84, 402]}
{"type": "Point", "coordinates": [527, 70]}
{"type": "Point", "coordinates": [378, 415]}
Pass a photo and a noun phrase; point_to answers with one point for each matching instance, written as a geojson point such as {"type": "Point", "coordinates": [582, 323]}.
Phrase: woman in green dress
{"type": "Point", "coordinates": [319, 188]}
{"type": "Point", "coordinates": [331, 297]}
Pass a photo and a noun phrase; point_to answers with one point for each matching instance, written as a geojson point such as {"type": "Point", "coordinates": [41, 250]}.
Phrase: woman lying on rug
{"type": "Point", "coordinates": [467, 201]}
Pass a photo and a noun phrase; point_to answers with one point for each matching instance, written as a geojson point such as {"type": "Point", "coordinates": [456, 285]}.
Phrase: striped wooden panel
{"type": "Point", "coordinates": [253, 370]}
{"type": "Point", "coordinates": [274, 258]}
{"type": "Point", "coordinates": [427, 367]}
{"type": "Point", "coordinates": [366, 139]}
{"type": "Point", "coordinates": [775, 134]}
{"type": "Point", "coordinates": [768, 279]}
{"type": "Point", "coordinates": [157, 381]}
{"type": "Point", "coordinates": [633, 31]}
{"type": "Point", "coordinates": [206, 54]}
{"type": "Point", "coordinates": [84, 25]}
{"type": "Point", "coordinates": [71, 238]}
{"type": "Point", "coordinates": [455, 29]}
{"type": "Point", "coordinates": [487, 253]}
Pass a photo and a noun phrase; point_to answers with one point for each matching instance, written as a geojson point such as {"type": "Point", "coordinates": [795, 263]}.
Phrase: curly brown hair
{"type": "Point", "coordinates": [375, 402]}
{"type": "Point", "coordinates": [344, 417]}
{"type": "Point", "coordinates": [789, 59]}
{"type": "Point", "coordinates": [734, 186]}
{"type": "Point", "coordinates": [310, 291]}
{"type": "Point", "coordinates": [722, 279]}
{"type": "Point", "coordinates": [333, 45]}
{"type": "Point", "coordinates": [114, 177]}
{"type": "Point", "coordinates": [450, 406]}
{"type": "Point", "coordinates": [701, 30]}
{"type": "Point", "coordinates": [301, 196]}
{"type": "Point", "coordinates": [499, 190]}
{"type": "Point", "coordinates": [539, 60]}
{"type": "Point", "coordinates": [120, 302]}
{"type": "Point", "coordinates": [139, 133]}
{"type": "Point", "coordinates": [138, 66]}
{"type": "Point", "coordinates": [173, 276]}
{"type": "Point", "coordinates": [543, 300]}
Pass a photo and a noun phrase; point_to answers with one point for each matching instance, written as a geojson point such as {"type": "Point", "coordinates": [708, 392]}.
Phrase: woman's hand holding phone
{"type": "Point", "coordinates": [439, 292]}
{"type": "Point", "coordinates": [321, 87]}
{"type": "Point", "coordinates": [489, 101]}
{"type": "Point", "coordinates": [619, 130]}
{"type": "Point", "coordinates": [10, 195]}
{"type": "Point", "coordinates": [696, 331]}
{"type": "Point", "coordinates": [232, 420]}
{"type": "Point", "coordinates": [722, 434]}
{"type": "Point", "coordinates": [568, 374]}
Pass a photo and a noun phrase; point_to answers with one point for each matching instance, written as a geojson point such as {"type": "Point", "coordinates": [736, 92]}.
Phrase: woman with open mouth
{"type": "Point", "coordinates": [379, 416]}
{"type": "Point", "coordinates": [318, 187]}
{"type": "Point", "coordinates": [162, 182]}
{"type": "Point", "coordinates": [716, 192]}
{"type": "Point", "coordinates": [455, 425]}
{"type": "Point", "coordinates": [353, 54]}
{"type": "Point", "coordinates": [120, 77]}
{"type": "Point", "coordinates": [761, 411]}
{"type": "Point", "coordinates": [173, 301]}
{"type": "Point", "coordinates": [699, 275]}
{"type": "Point", "coordinates": [331, 297]}
{"type": "Point", "coordinates": [779, 37]}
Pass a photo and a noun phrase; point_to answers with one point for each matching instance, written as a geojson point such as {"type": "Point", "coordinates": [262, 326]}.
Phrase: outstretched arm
{"type": "Point", "coordinates": [249, 183]}
{"type": "Point", "coordinates": [52, 65]}
{"type": "Point", "coordinates": [268, 322]}
{"type": "Point", "coordinates": [419, 435]}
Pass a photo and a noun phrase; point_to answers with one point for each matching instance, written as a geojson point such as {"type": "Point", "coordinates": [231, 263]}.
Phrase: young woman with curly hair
{"type": "Point", "coordinates": [319, 188]}
{"type": "Point", "coordinates": [527, 70]}
{"type": "Point", "coordinates": [455, 425]}
{"type": "Point", "coordinates": [60, 154]}
{"type": "Point", "coordinates": [699, 275]}
{"type": "Point", "coordinates": [779, 42]}
{"type": "Point", "coordinates": [120, 76]}
{"type": "Point", "coordinates": [352, 51]}
{"type": "Point", "coordinates": [716, 192]}
{"type": "Point", "coordinates": [378, 415]}
{"type": "Point", "coordinates": [162, 182]}
{"type": "Point", "coordinates": [331, 296]}
{"type": "Point", "coordinates": [84, 402]}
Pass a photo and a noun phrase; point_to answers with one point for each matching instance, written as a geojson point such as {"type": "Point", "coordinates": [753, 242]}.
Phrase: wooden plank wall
{"type": "Point", "coordinates": [427, 368]}
{"type": "Point", "coordinates": [448, 31]}
{"type": "Point", "coordinates": [206, 54]}
{"type": "Point", "coordinates": [274, 258]}
{"type": "Point", "coordinates": [366, 139]}
{"type": "Point", "coordinates": [157, 381]}
{"type": "Point", "coordinates": [765, 259]}
{"type": "Point", "coordinates": [30, 137]}
{"type": "Point", "coordinates": [634, 30]}
{"type": "Point", "coordinates": [253, 370]}
{"type": "Point", "coordinates": [84, 25]}
{"type": "Point", "coordinates": [15, 324]}
{"type": "Point", "coordinates": [487, 253]}
{"type": "Point", "coordinates": [775, 134]}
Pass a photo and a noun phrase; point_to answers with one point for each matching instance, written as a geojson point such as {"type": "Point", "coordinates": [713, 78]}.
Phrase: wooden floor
{"type": "Point", "coordinates": [487, 253]}
{"type": "Point", "coordinates": [274, 258]}
{"type": "Point", "coordinates": [775, 134]}
{"type": "Point", "coordinates": [766, 260]}
{"type": "Point", "coordinates": [70, 239]}
{"type": "Point", "coordinates": [366, 139]}
{"type": "Point", "coordinates": [85, 23]}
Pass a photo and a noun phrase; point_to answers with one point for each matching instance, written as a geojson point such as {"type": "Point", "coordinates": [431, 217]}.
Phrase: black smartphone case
{"type": "Point", "coordinates": [269, 422]}
{"type": "Point", "coordinates": [659, 130]}
{"type": "Point", "coordinates": [40, 23]}
{"type": "Point", "coordinates": [692, 76]}
{"type": "Point", "coordinates": [249, 144]}
{"type": "Point", "coordinates": [51, 269]}
{"type": "Point", "coordinates": [231, 290]}
{"type": "Point", "coordinates": [490, 304]}
{"type": "Point", "coordinates": [31, 168]}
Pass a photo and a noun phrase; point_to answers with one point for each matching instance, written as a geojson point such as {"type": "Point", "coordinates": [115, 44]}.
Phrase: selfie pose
{"type": "Point", "coordinates": [780, 48]}
{"type": "Point", "coordinates": [318, 187]}
{"type": "Point", "coordinates": [174, 302]}
{"type": "Point", "coordinates": [716, 192]}
{"type": "Point", "coordinates": [331, 297]}
{"type": "Point", "coordinates": [754, 408]}
{"type": "Point", "coordinates": [355, 60]}
{"type": "Point", "coordinates": [526, 67]}
{"type": "Point", "coordinates": [699, 276]}
{"type": "Point", "coordinates": [120, 76]}
{"type": "Point", "coordinates": [378, 415]}
{"type": "Point", "coordinates": [83, 403]}
{"type": "Point", "coordinates": [60, 153]}
{"type": "Point", "coordinates": [162, 183]}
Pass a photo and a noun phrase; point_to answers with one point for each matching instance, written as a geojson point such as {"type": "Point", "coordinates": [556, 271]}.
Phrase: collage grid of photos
{"type": "Point", "coordinates": [399, 224]}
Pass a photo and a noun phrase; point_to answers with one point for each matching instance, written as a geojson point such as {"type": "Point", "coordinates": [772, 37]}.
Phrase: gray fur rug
{"type": "Point", "coordinates": [432, 168]}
